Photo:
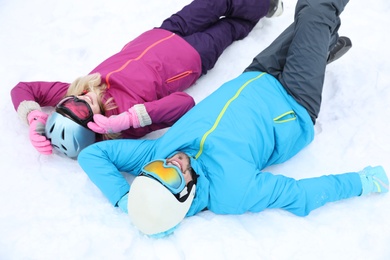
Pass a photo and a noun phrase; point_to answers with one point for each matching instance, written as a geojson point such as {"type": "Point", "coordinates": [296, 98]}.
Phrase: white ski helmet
{"type": "Point", "coordinates": [153, 208]}
{"type": "Point", "coordinates": [66, 136]}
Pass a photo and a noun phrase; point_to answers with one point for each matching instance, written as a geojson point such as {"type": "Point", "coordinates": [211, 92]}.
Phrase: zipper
{"type": "Point", "coordinates": [221, 114]}
{"type": "Point", "coordinates": [135, 59]}
{"type": "Point", "coordinates": [179, 76]}
{"type": "Point", "coordinates": [285, 117]}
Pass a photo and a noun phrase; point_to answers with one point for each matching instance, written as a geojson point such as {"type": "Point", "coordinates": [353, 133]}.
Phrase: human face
{"type": "Point", "coordinates": [182, 161]}
{"type": "Point", "coordinates": [92, 99]}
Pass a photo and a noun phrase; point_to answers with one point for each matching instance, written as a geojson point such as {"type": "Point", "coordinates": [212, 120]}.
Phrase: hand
{"type": "Point", "coordinates": [122, 203]}
{"type": "Point", "coordinates": [37, 121]}
{"type": "Point", "coordinates": [114, 124]}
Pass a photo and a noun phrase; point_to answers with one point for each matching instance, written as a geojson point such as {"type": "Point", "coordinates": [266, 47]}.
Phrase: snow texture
{"type": "Point", "coordinates": [49, 209]}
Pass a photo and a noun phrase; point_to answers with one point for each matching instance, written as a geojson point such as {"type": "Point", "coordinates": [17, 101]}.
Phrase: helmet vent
{"type": "Point", "coordinates": [66, 136]}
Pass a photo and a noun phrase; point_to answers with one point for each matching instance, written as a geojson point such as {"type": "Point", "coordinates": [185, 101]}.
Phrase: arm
{"type": "Point", "coordinates": [29, 96]}
{"type": "Point", "coordinates": [170, 108]}
{"type": "Point", "coordinates": [44, 93]}
{"type": "Point", "coordinates": [165, 110]}
{"type": "Point", "coordinates": [103, 162]}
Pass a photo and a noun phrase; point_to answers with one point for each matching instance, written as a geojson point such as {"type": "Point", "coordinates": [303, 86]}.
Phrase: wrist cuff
{"type": "Point", "coordinates": [142, 114]}
{"type": "Point", "coordinates": [122, 203]}
{"type": "Point", "coordinates": [25, 107]}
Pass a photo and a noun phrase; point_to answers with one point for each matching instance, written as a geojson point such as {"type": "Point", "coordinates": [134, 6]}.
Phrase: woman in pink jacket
{"type": "Point", "coordinates": [139, 89]}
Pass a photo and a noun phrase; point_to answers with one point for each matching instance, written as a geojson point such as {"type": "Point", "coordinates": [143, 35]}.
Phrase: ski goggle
{"type": "Point", "coordinates": [77, 109]}
{"type": "Point", "coordinates": [168, 175]}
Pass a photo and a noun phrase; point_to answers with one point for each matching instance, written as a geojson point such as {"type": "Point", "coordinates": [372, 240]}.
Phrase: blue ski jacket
{"type": "Point", "coordinates": [247, 124]}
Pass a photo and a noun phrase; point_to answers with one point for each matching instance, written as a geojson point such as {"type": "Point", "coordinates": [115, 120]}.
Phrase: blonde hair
{"type": "Point", "coordinates": [93, 83]}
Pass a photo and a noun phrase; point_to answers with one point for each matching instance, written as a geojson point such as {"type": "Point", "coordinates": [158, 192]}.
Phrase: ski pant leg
{"type": "Point", "coordinates": [273, 58]}
{"type": "Point", "coordinates": [211, 42]}
{"type": "Point", "coordinates": [300, 197]}
{"type": "Point", "coordinates": [297, 58]}
{"type": "Point", "coordinates": [251, 10]}
{"type": "Point", "coordinates": [201, 14]}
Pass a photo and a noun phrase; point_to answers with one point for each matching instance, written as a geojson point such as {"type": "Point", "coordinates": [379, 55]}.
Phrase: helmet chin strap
{"type": "Point", "coordinates": [183, 195]}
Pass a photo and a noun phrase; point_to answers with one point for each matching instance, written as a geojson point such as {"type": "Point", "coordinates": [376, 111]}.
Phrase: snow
{"type": "Point", "coordinates": [49, 209]}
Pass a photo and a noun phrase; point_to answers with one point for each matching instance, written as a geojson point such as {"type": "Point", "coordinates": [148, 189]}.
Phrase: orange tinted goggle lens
{"type": "Point", "coordinates": [169, 175]}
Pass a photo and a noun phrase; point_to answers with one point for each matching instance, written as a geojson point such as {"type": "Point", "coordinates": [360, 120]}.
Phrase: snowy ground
{"type": "Point", "coordinates": [50, 210]}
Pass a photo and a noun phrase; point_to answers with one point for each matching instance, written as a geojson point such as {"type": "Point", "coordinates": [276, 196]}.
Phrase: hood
{"type": "Point", "coordinates": [200, 201]}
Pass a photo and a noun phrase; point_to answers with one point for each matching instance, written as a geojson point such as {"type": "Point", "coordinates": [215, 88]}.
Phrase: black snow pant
{"type": "Point", "coordinates": [298, 57]}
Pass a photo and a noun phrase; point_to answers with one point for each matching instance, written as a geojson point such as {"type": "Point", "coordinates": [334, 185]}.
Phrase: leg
{"type": "Point", "coordinates": [302, 196]}
{"type": "Point", "coordinates": [298, 57]}
{"type": "Point", "coordinates": [213, 41]}
{"type": "Point", "coordinates": [273, 58]}
{"type": "Point", "coordinates": [201, 14]}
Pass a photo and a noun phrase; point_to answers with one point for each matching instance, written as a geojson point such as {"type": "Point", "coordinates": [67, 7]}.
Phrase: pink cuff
{"type": "Point", "coordinates": [134, 118]}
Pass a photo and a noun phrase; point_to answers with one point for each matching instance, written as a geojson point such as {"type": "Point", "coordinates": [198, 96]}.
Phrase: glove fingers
{"type": "Point", "coordinates": [96, 128]}
{"type": "Point", "coordinates": [46, 150]}
{"type": "Point", "coordinates": [100, 120]}
{"type": "Point", "coordinates": [112, 124]}
{"type": "Point", "coordinates": [37, 122]}
{"type": "Point", "coordinates": [42, 144]}
{"type": "Point", "coordinates": [99, 125]}
{"type": "Point", "coordinates": [38, 138]}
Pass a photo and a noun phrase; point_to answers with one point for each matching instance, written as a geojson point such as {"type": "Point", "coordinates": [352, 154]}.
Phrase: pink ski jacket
{"type": "Point", "coordinates": [153, 69]}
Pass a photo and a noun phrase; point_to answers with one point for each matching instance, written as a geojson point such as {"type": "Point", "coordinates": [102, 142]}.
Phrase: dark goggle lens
{"type": "Point", "coordinates": [77, 109]}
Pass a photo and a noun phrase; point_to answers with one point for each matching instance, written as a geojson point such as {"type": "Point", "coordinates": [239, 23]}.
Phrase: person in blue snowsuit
{"type": "Point", "coordinates": [220, 147]}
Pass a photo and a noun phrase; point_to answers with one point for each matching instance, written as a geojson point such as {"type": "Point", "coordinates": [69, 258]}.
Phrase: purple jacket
{"type": "Point", "coordinates": [152, 70]}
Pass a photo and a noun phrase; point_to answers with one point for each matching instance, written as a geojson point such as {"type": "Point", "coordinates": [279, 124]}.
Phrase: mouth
{"type": "Point", "coordinates": [177, 164]}
{"type": "Point", "coordinates": [89, 98]}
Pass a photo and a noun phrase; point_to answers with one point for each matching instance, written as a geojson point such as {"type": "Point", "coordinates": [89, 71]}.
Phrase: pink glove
{"type": "Point", "coordinates": [37, 121]}
{"type": "Point", "coordinates": [114, 124]}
